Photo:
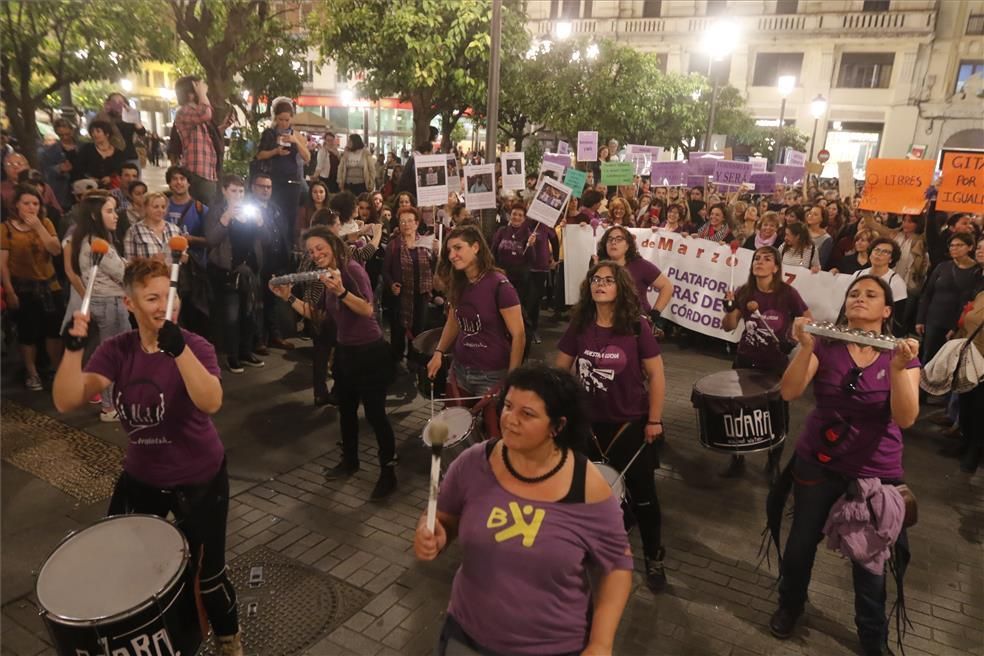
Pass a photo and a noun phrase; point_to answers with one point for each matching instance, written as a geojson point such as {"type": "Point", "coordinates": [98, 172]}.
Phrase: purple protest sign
{"type": "Point", "coordinates": [672, 174]}
{"type": "Point", "coordinates": [696, 181]}
{"type": "Point", "coordinates": [789, 174]}
{"type": "Point", "coordinates": [703, 165]}
{"type": "Point", "coordinates": [765, 183]}
{"type": "Point", "coordinates": [560, 160]}
{"type": "Point", "coordinates": [731, 174]}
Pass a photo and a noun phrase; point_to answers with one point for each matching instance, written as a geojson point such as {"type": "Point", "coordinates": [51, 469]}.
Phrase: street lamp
{"type": "Point", "coordinates": [786, 84]}
{"type": "Point", "coordinates": [719, 41]}
{"type": "Point", "coordinates": [818, 107]}
{"type": "Point", "coordinates": [564, 30]}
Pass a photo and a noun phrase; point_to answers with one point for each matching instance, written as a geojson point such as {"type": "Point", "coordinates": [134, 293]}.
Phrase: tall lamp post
{"type": "Point", "coordinates": [786, 84]}
{"type": "Point", "coordinates": [719, 41]}
{"type": "Point", "coordinates": [818, 107]}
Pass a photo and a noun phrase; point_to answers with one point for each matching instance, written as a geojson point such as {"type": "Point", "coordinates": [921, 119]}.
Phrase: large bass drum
{"type": "Point", "coordinates": [740, 411]}
{"type": "Point", "coordinates": [120, 587]}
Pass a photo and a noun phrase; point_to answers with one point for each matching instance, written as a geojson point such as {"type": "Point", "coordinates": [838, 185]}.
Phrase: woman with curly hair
{"type": "Point", "coordinates": [619, 245]}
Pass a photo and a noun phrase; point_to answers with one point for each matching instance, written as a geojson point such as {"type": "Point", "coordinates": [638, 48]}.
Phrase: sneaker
{"type": "Point", "coordinates": [655, 572]}
{"type": "Point", "coordinates": [783, 622]}
{"type": "Point", "coordinates": [33, 383]}
{"type": "Point", "coordinates": [536, 338]}
{"type": "Point", "coordinates": [229, 645]}
{"type": "Point", "coordinates": [340, 471]}
{"type": "Point", "coordinates": [109, 416]}
{"type": "Point", "coordinates": [235, 366]}
{"type": "Point", "coordinates": [261, 350]}
{"type": "Point", "coordinates": [386, 484]}
{"type": "Point", "coordinates": [252, 361]}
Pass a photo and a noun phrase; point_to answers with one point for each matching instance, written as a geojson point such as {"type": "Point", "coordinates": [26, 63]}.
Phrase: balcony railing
{"type": "Point", "coordinates": [881, 24]}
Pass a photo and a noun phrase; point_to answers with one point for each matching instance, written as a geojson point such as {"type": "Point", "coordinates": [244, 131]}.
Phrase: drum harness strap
{"type": "Point", "coordinates": [604, 452]}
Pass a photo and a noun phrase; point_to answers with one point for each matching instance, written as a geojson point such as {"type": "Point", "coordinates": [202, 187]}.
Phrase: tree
{"type": "Point", "coordinates": [47, 44]}
{"type": "Point", "coordinates": [431, 53]}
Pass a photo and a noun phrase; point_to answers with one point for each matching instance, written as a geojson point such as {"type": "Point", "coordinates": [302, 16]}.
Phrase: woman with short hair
{"type": "Point", "coordinates": [356, 167]}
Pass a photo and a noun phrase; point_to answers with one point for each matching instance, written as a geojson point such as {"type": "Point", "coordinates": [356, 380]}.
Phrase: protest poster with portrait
{"type": "Point", "coordinates": [454, 174]}
{"type": "Point", "coordinates": [549, 201]}
{"type": "Point", "coordinates": [432, 180]}
{"type": "Point", "coordinates": [550, 170]}
{"type": "Point", "coordinates": [480, 186]}
{"type": "Point", "coordinates": [513, 171]}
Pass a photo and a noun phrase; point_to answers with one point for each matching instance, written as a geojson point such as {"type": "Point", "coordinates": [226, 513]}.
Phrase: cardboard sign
{"type": "Point", "coordinates": [480, 186]}
{"type": "Point", "coordinates": [961, 187]}
{"type": "Point", "coordinates": [563, 161]}
{"type": "Point", "coordinates": [432, 180]}
{"type": "Point", "coordinates": [765, 183]}
{"type": "Point", "coordinates": [814, 168]}
{"type": "Point", "coordinates": [575, 180]}
{"type": "Point", "coordinates": [731, 174]}
{"type": "Point", "coordinates": [587, 146]}
{"type": "Point", "coordinates": [454, 174]}
{"type": "Point", "coordinates": [563, 148]}
{"type": "Point", "coordinates": [549, 202]}
{"type": "Point", "coordinates": [668, 174]}
{"type": "Point", "coordinates": [759, 164]}
{"type": "Point", "coordinates": [845, 179]}
{"type": "Point", "coordinates": [794, 157]}
{"type": "Point", "coordinates": [696, 181]}
{"type": "Point", "coordinates": [640, 161]}
{"type": "Point", "coordinates": [789, 174]}
{"type": "Point", "coordinates": [513, 171]}
{"type": "Point", "coordinates": [614, 174]}
{"type": "Point", "coordinates": [896, 185]}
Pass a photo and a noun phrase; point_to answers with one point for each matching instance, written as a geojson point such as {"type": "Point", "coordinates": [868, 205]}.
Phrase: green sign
{"type": "Point", "coordinates": [575, 180]}
{"type": "Point", "coordinates": [614, 174]}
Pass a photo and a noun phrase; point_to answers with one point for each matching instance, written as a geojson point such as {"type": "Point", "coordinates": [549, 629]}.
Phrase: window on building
{"type": "Point", "coordinates": [975, 24]}
{"type": "Point", "coordinates": [567, 9]}
{"type": "Point", "coordinates": [721, 68]}
{"type": "Point", "coordinates": [587, 9]}
{"type": "Point", "coordinates": [146, 78]}
{"type": "Point", "coordinates": [787, 6]}
{"type": "Point", "coordinates": [968, 67]}
{"type": "Point", "coordinates": [307, 71]}
{"type": "Point", "coordinates": [716, 7]}
{"type": "Point", "coordinates": [652, 8]}
{"type": "Point", "coordinates": [159, 79]}
{"type": "Point", "coordinates": [876, 5]}
{"type": "Point", "coordinates": [661, 61]}
{"type": "Point", "coordinates": [769, 66]}
{"type": "Point", "coordinates": [865, 70]}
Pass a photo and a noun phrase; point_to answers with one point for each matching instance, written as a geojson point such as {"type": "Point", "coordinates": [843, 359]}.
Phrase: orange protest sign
{"type": "Point", "coordinates": [961, 187]}
{"type": "Point", "coordinates": [896, 185]}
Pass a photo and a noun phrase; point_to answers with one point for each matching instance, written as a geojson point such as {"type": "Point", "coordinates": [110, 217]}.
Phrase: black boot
{"type": "Point", "coordinates": [386, 483]}
{"type": "Point", "coordinates": [344, 469]}
{"type": "Point", "coordinates": [783, 622]}
{"type": "Point", "coordinates": [655, 572]}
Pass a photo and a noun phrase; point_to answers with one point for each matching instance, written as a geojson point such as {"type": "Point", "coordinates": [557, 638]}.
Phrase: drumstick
{"type": "Point", "coordinates": [438, 433]}
{"type": "Point", "coordinates": [178, 246]}
{"type": "Point", "coordinates": [753, 309]}
{"type": "Point", "coordinates": [99, 248]}
{"type": "Point", "coordinates": [626, 468]}
{"type": "Point", "coordinates": [734, 249]}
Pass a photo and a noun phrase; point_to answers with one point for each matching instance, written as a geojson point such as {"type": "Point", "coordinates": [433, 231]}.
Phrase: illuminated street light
{"type": "Point", "coordinates": [818, 107]}
{"type": "Point", "coordinates": [719, 40]}
{"type": "Point", "coordinates": [347, 97]}
{"type": "Point", "coordinates": [564, 29]}
{"type": "Point", "coordinates": [126, 85]}
{"type": "Point", "coordinates": [785, 84]}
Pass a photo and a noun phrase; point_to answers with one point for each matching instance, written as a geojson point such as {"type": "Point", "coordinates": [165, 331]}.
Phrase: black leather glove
{"type": "Point", "coordinates": [170, 340]}
{"type": "Point", "coordinates": [73, 343]}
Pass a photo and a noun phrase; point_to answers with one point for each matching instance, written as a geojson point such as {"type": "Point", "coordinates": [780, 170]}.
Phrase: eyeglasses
{"type": "Point", "coordinates": [618, 239]}
{"type": "Point", "coordinates": [850, 384]}
{"type": "Point", "coordinates": [956, 243]}
{"type": "Point", "coordinates": [607, 281]}
{"type": "Point", "coordinates": [259, 186]}
{"type": "Point", "coordinates": [883, 251]}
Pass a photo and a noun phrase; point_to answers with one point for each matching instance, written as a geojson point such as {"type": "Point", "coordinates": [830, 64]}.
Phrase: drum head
{"type": "Point", "coordinates": [459, 421]}
{"type": "Point", "coordinates": [611, 476]}
{"type": "Point", "coordinates": [112, 567]}
{"type": "Point", "coordinates": [426, 342]}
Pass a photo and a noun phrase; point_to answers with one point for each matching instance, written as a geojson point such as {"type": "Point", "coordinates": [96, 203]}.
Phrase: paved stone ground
{"type": "Point", "coordinates": [718, 600]}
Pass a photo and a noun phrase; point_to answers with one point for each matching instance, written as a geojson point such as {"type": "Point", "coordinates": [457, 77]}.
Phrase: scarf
{"type": "Point", "coordinates": [718, 235]}
{"type": "Point", "coordinates": [761, 243]}
{"type": "Point", "coordinates": [407, 292]}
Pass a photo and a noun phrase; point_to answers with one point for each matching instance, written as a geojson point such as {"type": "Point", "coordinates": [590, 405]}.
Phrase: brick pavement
{"type": "Point", "coordinates": [719, 598]}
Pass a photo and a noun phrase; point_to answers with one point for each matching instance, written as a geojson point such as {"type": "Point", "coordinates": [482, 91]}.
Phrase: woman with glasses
{"type": "Point", "coordinates": [951, 285]}
{"type": "Point", "coordinates": [619, 246]}
{"type": "Point", "coordinates": [864, 398]}
{"type": "Point", "coordinates": [883, 255]}
{"type": "Point", "coordinates": [614, 355]}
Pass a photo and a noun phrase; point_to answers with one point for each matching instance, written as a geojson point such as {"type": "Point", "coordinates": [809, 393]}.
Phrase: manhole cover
{"type": "Point", "coordinates": [284, 606]}
{"type": "Point", "coordinates": [78, 464]}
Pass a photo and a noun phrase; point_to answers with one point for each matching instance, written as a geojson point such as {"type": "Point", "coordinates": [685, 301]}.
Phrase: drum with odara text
{"type": "Point", "coordinates": [740, 411]}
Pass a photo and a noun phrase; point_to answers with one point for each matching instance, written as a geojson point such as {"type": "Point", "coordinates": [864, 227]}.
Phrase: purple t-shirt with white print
{"type": "Point", "coordinates": [483, 342]}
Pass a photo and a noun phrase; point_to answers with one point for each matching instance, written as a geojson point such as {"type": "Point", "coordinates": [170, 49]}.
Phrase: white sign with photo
{"type": "Point", "coordinates": [480, 186]}
{"type": "Point", "coordinates": [549, 201]}
{"type": "Point", "coordinates": [432, 180]}
{"type": "Point", "coordinates": [550, 170]}
{"type": "Point", "coordinates": [513, 171]}
{"type": "Point", "coordinates": [454, 174]}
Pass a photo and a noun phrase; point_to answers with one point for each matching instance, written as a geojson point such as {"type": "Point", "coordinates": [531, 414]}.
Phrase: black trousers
{"type": "Point", "coordinates": [639, 479]}
{"type": "Point", "coordinates": [200, 512]}
{"type": "Point", "coordinates": [535, 289]}
{"type": "Point", "coordinates": [323, 339]}
{"type": "Point", "coordinates": [362, 375]}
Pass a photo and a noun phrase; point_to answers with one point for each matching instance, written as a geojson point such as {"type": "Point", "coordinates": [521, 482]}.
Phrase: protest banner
{"type": "Point", "coordinates": [759, 164]}
{"type": "Point", "coordinates": [700, 271]}
{"type": "Point", "coordinates": [563, 148]}
{"type": "Point", "coordinates": [454, 174]}
{"type": "Point", "coordinates": [696, 181]}
{"type": "Point", "coordinates": [480, 186]}
{"type": "Point", "coordinates": [794, 157]}
{"type": "Point", "coordinates": [845, 179]}
{"type": "Point", "coordinates": [563, 161]}
{"type": "Point", "coordinates": [549, 201]}
{"type": "Point", "coordinates": [765, 182]}
{"type": "Point", "coordinates": [731, 174]}
{"type": "Point", "coordinates": [513, 171]}
{"type": "Point", "coordinates": [789, 174]}
{"type": "Point", "coordinates": [668, 174]}
{"type": "Point", "coordinates": [587, 146]}
{"type": "Point", "coordinates": [617, 173]}
{"type": "Point", "coordinates": [575, 180]}
{"type": "Point", "coordinates": [703, 165]}
{"type": "Point", "coordinates": [896, 185]}
{"type": "Point", "coordinates": [432, 180]}
{"type": "Point", "coordinates": [961, 187]}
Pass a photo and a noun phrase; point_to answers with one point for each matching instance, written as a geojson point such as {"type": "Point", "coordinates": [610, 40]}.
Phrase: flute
{"type": "Point", "coordinates": [303, 276]}
{"type": "Point", "coordinates": [844, 334]}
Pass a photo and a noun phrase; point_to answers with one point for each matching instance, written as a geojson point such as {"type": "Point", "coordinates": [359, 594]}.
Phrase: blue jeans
{"type": "Point", "coordinates": [238, 326]}
{"type": "Point", "coordinates": [109, 313]}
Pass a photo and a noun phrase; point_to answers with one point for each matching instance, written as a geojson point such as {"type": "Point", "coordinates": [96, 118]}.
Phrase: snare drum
{"type": "Point", "coordinates": [120, 586]}
{"type": "Point", "coordinates": [463, 432]}
{"type": "Point", "coordinates": [740, 411]}
{"type": "Point", "coordinates": [612, 478]}
{"type": "Point", "coordinates": [424, 346]}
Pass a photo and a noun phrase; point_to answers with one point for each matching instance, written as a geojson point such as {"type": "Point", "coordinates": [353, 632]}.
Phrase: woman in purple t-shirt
{"type": "Point", "coordinates": [611, 348]}
{"type": "Point", "coordinates": [618, 244]}
{"type": "Point", "coordinates": [165, 385]}
{"type": "Point", "coordinates": [864, 398]}
{"type": "Point", "coordinates": [363, 367]}
{"type": "Point", "coordinates": [533, 516]}
{"type": "Point", "coordinates": [485, 323]}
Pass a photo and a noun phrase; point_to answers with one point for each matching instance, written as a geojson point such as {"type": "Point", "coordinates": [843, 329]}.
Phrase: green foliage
{"type": "Point", "coordinates": [533, 154]}
{"type": "Point", "coordinates": [87, 95]}
{"type": "Point", "coordinates": [762, 140]}
{"type": "Point", "coordinates": [277, 74]}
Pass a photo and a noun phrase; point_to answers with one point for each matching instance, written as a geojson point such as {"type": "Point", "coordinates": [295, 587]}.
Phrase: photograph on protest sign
{"type": "Point", "coordinates": [896, 185]}
{"type": "Point", "coordinates": [550, 170]}
{"type": "Point", "coordinates": [549, 201]}
{"type": "Point", "coordinates": [961, 186]}
{"type": "Point", "coordinates": [575, 180]}
{"type": "Point", "coordinates": [513, 171]}
{"type": "Point", "coordinates": [587, 146]}
{"type": "Point", "coordinates": [480, 186]}
{"type": "Point", "coordinates": [432, 180]}
{"type": "Point", "coordinates": [454, 174]}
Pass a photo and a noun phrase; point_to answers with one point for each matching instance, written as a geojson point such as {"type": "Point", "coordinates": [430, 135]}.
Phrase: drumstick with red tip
{"type": "Point", "coordinates": [734, 249]}
{"type": "Point", "coordinates": [178, 245]}
{"type": "Point", "coordinates": [438, 433]}
{"type": "Point", "coordinates": [99, 248]}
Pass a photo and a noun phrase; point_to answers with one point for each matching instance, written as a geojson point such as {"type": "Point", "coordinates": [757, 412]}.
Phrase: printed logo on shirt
{"type": "Point", "coordinates": [598, 369]}
{"type": "Point", "coordinates": [759, 333]}
{"type": "Point", "coordinates": [470, 327]}
{"type": "Point", "coordinates": [141, 415]}
{"type": "Point", "coordinates": [528, 529]}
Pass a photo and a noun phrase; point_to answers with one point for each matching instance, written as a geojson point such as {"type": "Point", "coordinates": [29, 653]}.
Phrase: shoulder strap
{"type": "Point", "coordinates": [181, 219]}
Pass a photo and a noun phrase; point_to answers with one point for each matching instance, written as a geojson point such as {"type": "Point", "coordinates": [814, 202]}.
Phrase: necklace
{"type": "Point", "coordinates": [535, 479]}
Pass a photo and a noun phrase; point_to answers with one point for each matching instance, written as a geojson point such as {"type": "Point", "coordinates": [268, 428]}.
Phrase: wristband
{"type": "Point", "coordinates": [439, 351]}
{"type": "Point", "coordinates": [291, 299]}
{"type": "Point", "coordinates": [342, 296]}
{"type": "Point", "coordinates": [729, 306]}
{"type": "Point", "coordinates": [658, 422]}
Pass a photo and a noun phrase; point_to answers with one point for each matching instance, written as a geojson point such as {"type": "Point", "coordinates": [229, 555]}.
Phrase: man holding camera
{"type": "Point", "coordinates": [191, 122]}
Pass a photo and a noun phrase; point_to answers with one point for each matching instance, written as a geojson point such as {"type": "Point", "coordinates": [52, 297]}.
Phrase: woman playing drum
{"type": "Point", "coordinates": [165, 385]}
{"type": "Point", "coordinates": [485, 323]}
{"type": "Point", "coordinates": [532, 514]}
{"type": "Point", "coordinates": [864, 398]}
{"type": "Point", "coordinates": [614, 355]}
{"type": "Point", "coordinates": [768, 307]}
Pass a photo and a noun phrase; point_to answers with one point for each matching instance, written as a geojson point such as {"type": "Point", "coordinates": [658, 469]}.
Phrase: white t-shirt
{"type": "Point", "coordinates": [894, 280]}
